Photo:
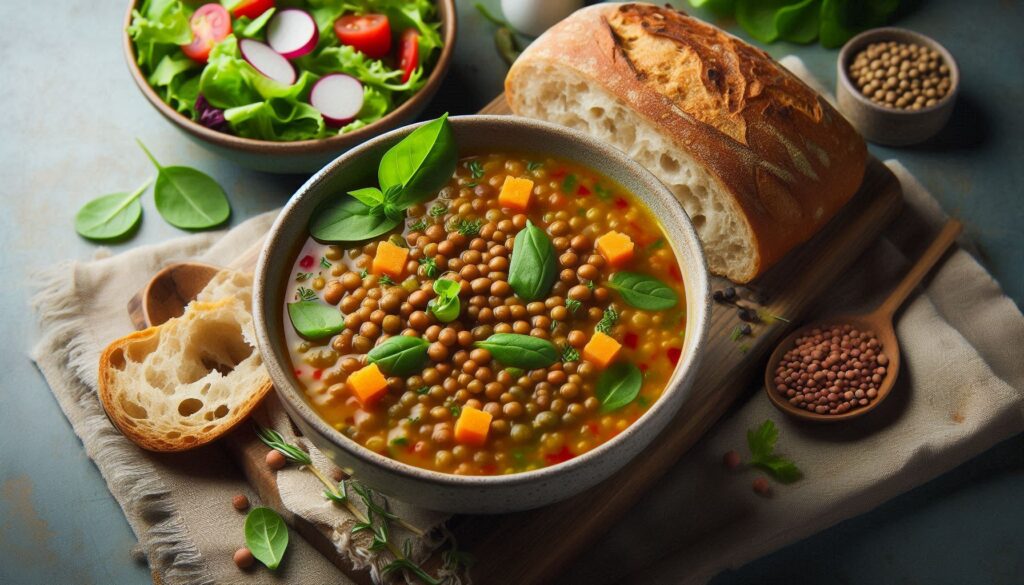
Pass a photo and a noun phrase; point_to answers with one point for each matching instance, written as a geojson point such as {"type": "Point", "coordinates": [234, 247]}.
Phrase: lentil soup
{"type": "Point", "coordinates": [454, 354]}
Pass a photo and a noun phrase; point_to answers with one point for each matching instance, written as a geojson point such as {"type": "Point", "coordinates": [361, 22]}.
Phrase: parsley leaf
{"type": "Point", "coordinates": [761, 442]}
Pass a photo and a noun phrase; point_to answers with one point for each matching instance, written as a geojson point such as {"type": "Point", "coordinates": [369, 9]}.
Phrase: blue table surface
{"type": "Point", "coordinates": [70, 114]}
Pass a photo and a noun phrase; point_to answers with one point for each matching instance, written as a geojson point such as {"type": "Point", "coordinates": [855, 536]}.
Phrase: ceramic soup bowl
{"type": "Point", "coordinates": [493, 493]}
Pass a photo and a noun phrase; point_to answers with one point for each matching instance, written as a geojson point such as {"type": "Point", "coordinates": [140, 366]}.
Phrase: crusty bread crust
{"type": "Point", "coordinates": [164, 388]}
{"type": "Point", "coordinates": [783, 158]}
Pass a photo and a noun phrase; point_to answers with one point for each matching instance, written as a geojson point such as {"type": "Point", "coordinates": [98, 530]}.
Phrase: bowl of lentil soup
{"type": "Point", "coordinates": [521, 332]}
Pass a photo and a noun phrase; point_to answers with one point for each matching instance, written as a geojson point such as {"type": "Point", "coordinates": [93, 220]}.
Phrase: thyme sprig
{"type": "Point", "coordinates": [374, 520]}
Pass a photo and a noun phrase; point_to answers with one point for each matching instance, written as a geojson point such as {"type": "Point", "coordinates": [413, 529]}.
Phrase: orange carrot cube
{"type": "Point", "coordinates": [390, 260]}
{"type": "Point", "coordinates": [472, 426]}
{"type": "Point", "coordinates": [601, 350]}
{"type": "Point", "coordinates": [515, 193]}
{"type": "Point", "coordinates": [616, 248]}
{"type": "Point", "coordinates": [368, 385]}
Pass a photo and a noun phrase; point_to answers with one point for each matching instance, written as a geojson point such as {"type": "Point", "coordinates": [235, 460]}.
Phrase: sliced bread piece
{"type": "Point", "coordinates": [187, 382]}
{"type": "Point", "coordinates": [758, 160]}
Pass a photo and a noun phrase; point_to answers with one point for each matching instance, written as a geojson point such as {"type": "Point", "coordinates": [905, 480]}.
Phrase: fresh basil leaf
{"type": "Point", "coordinates": [315, 320]}
{"type": "Point", "coordinates": [534, 266]}
{"type": "Point", "coordinates": [446, 306]}
{"type": "Point", "coordinates": [266, 536]}
{"type": "Point", "coordinates": [644, 292]}
{"type": "Point", "coordinates": [618, 386]}
{"type": "Point", "coordinates": [520, 351]}
{"type": "Point", "coordinates": [187, 198]}
{"type": "Point", "coordinates": [421, 163]}
{"type": "Point", "coordinates": [347, 220]}
{"type": "Point", "coordinates": [368, 196]}
{"type": "Point", "coordinates": [401, 355]}
{"type": "Point", "coordinates": [799, 23]}
{"type": "Point", "coordinates": [110, 216]}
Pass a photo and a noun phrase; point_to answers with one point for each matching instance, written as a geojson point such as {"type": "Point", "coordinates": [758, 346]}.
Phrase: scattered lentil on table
{"type": "Point", "coordinates": [243, 558]}
{"type": "Point", "coordinates": [901, 75]}
{"type": "Point", "coordinates": [832, 370]}
{"type": "Point", "coordinates": [240, 502]}
{"type": "Point", "coordinates": [465, 412]}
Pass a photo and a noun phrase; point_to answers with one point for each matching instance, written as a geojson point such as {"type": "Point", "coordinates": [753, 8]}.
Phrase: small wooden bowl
{"type": "Point", "coordinates": [892, 126]}
{"type": "Point", "coordinates": [879, 323]}
{"type": "Point", "coordinates": [301, 156]}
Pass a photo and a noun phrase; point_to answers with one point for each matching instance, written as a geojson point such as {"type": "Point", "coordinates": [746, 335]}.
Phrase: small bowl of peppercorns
{"type": "Point", "coordinates": [896, 86]}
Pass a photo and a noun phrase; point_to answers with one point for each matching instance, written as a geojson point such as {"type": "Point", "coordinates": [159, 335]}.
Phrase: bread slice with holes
{"type": "Point", "coordinates": [187, 382]}
{"type": "Point", "coordinates": [759, 161]}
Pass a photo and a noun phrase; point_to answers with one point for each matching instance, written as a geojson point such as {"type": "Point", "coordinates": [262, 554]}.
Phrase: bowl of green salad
{"type": "Point", "coordinates": [286, 86]}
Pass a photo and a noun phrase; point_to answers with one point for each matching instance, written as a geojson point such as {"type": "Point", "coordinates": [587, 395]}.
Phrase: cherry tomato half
{"type": "Point", "coordinates": [251, 8]}
{"type": "Point", "coordinates": [369, 34]}
{"type": "Point", "coordinates": [210, 24]}
{"type": "Point", "coordinates": [408, 53]}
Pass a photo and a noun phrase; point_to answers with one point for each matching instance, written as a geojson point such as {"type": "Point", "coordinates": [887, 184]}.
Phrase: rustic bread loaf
{"type": "Point", "coordinates": [186, 382]}
{"type": "Point", "coordinates": [759, 161]}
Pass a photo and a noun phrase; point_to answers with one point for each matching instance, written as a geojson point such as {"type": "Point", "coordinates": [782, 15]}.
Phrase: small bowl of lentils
{"type": "Point", "coordinates": [896, 86]}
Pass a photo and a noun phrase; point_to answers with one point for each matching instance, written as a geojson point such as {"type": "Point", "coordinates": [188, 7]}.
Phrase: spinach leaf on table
{"type": "Point", "coordinates": [266, 535]}
{"type": "Point", "coordinates": [188, 198]}
{"type": "Point", "coordinates": [109, 217]}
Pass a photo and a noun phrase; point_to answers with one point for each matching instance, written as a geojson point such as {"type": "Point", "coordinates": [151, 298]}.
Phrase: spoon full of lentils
{"type": "Point", "coordinates": [843, 367]}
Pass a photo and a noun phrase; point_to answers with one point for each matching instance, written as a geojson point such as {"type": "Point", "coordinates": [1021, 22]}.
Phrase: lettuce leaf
{"type": "Point", "coordinates": [345, 59]}
{"type": "Point", "coordinates": [281, 119]}
{"type": "Point", "coordinates": [158, 28]}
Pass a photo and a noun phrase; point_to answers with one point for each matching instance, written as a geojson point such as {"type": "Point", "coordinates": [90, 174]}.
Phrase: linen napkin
{"type": "Point", "coordinates": [962, 391]}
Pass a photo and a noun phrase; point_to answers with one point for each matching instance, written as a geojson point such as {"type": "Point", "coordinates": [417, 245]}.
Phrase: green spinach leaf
{"type": "Point", "coordinates": [534, 266]}
{"type": "Point", "coordinates": [315, 320]}
{"type": "Point", "coordinates": [520, 351]}
{"type": "Point", "coordinates": [618, 386]}
{"type": "Point", "coordinates": [110, 216]}
{"type": "Point", "coordinates": [799, 23]}
{"type": "Point", "coordinates": [421, 163]}
{"type": "Point", "coordinates": [644, 292]}
{"type": "Point", "coordinates": [349, 220]}
{"type": "Point", "coordinates": [446, 305]}
{"type": "Point", "coordinates": [401, 355]}
{"type": "Point", "coordinates": [187, 198]}
{"type": "Point", "coordinates": [266, 536]}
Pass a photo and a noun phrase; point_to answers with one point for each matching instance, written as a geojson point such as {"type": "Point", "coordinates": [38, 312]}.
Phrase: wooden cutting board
{"type": "Point", "coordinates": [534, 546]}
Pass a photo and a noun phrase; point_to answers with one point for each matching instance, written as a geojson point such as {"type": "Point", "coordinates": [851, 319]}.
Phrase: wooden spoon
{"type": "Point", "coordinates": [169, 291]}
{"type": "Point", "coordinates": [879, 321]}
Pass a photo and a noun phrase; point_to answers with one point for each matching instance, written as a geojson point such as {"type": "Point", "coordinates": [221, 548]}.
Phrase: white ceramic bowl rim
{"type": "Point", "coordinates": [895, 33]}
{"type": "Point", "coordinates": [700, 289]}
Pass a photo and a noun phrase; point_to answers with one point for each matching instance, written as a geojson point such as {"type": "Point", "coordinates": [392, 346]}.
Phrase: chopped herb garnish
{"type": "Point", "coordinates": [400, 441]}
{"type": "Point", "coordinates": [473, 184]}
{"type": "Point", "coordinates": [533, 166]}
{"type": "Point", "coordinates": [419, 226]}
{"type": "Point", "coordinates": [570, 354]}
{"type": "Point", "coordinates": [455, 410]}
{"type": "Point", "coordinates": [303, 276]}
{"type": "Point", "coordinates": [468, 227]}
{"type": "Point", "coordinates": [515, 372]}
{"type": "Point", "coordinates": [767, 317]}
{"type": "Point", "coordinates": [735, 334]}
{"type": "Point", "coordinates": [476, 168]}
{"type": "Point", "coordinates": [414, 419]}
{"type": "Point", "coordinates": [591, 285]}
{"type": "Point", "coordinates": [573, 305]}
{"type": "Point", "coordinates": [429, 267]}
{"type": "Point", "coordinates": [569, 183]}
{"type": "Point", "coordinates": [385, 280]}
{"type": "Point", "coordinates": [656, 244]}
{"type": "Point", "coordinates": [306, 294]}
{"type": "Point", "coordinates": [761, 442]}
{"type": "Point", "coordinates": [423, 390]}
{"type": "Point", "coordinates": [603, 192]}
{"type": "Point", "coordinates": [325, 263]}
{"type": "Point", "coordinates": [363, 273]}
{"type": "Point", "coordinates": [437, 210]}
{"type": "Point", "coordinates": [554, 325]}
{"type": "Point", "coordinates": [608, 320]}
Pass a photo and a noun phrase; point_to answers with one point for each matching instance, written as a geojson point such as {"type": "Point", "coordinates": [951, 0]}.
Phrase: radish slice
{"type": "Point", "coordinates": [292, 33]}
{"type": "Point", "coordinates": [339, 98]}
{"type": "Point", "coordinates": [267, 61]}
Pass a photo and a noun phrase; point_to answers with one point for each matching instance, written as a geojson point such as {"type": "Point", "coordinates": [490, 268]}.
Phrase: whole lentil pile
{"type": "Point", "coordinates": [537, 417]}
{"type": "Point", "coordinates": [901, 75]}
{"type": "Point", "coordinates": [832, 370]}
